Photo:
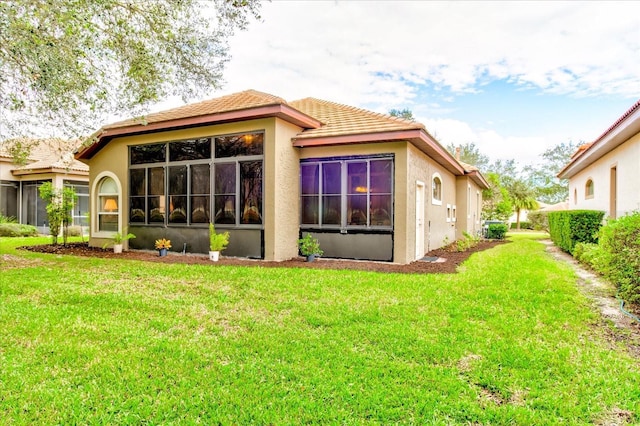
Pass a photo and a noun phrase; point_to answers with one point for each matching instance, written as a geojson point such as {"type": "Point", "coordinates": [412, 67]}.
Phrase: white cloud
{"type": "Point", "coordinates": [361, 51]}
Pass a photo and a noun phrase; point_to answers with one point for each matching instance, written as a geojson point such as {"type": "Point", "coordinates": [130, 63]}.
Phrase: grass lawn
{"type": "Point", "coordinates": [507, 340]}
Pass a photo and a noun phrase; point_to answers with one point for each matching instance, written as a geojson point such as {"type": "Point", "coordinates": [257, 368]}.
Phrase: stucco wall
{"type": "Point", "coordinates": [469, 206]}
{"type": "Point", "coordinates": [626, 160]}
{"type": "Point", "coordinates": [282, 193]}
{"type": "Point", "coordinates": [438, 231]}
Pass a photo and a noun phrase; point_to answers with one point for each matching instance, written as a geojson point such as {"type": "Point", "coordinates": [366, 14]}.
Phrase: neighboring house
{"type": "Point", "coordinates": [605, 174]}
{"type": "Point", "coordinates": [367, 185]}
{"type": "Point", "coordinates": [47, 160]}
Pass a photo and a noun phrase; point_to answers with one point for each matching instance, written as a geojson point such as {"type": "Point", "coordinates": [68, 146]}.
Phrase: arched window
{"type": "Point", "coordinates": [436, 189]}
{"type": "Point", "coordinates": [588, 189]}
{"type": "Point", "coordinates": [108, 207]}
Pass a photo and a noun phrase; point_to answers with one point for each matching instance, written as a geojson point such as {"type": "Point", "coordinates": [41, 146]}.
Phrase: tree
{"type": "Point", "coordinates": [66, 65]}
{"type": "Point", "coordinates": [405, 114]}
{"type": "Point", "coordinates": [549, 188]}
{"type": "Point", "coordinates": [470, 154]}
{"type": "Point", "coordinates": [60, 204]}
{"type": "Point", "coordinates": [496, 203]}
{"type": "Point", "coordinates": [523, 198]}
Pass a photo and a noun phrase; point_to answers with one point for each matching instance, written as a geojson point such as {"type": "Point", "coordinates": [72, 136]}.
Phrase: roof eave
{"type": "Point", "coordinates": [619, 133]}
{"type": "Point", "coordinates": [49, 170]}
{"type": "Point", "coordinates": [284, 112]}
{"type": "Point", "coordinates": [418, 137]}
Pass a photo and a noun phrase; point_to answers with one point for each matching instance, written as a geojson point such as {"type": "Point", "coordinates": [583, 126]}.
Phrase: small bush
{"type": "Point", "coordinates": [620, 243]}
{"type": "Point", "coordinates": [497, 231]}
{"type": "Point", "coordinates": [590, 254]}
{"type": "Point", "coordinates": [467, 242]}
{"type": "Point", "coordinates": [539, 221]}
{"type": "Point", "coordinates": [523, 225]}
{"type": "Point", "coordinates": [17, 230]}
{"type": "Point", "coordinates": [74, 231]}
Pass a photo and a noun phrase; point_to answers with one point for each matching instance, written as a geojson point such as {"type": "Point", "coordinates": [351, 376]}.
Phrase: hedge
{"type": "Point", "coordinates": [569, 227]}
{"type": "Point", "coordinates": [620, 246]}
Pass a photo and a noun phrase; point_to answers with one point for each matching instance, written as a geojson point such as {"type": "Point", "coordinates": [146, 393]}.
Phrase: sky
{"type": "Point", "coordinates": [514, 78]}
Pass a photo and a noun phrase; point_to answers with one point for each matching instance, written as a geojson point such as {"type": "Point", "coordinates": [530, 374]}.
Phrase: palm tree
{"type": "Point", "coordinates": [522, 197]}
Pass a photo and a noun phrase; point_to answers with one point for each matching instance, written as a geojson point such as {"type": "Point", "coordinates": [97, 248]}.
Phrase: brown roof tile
{"type": "Point", "coordinates": [341, 119]}
{"type": "Point", "coordinates": [234, 102]}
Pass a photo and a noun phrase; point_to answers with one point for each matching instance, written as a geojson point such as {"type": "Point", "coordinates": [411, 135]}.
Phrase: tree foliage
{"type": "Point", "coordinates": [405, 114]}
{"type": "Point", "coordinates": [549, 188]}
{"type": "Point", "coordinates": [67, 64]}
{"type": "Point", "coordinates": [470, 154]}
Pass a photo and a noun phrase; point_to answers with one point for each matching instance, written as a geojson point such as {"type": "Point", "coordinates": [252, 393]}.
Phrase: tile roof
{"type": "Point", "coordinates": [341, 119]}
{"type": "Point", "coordinates": [45, 154]}
{"type": "Point", "coordinates": [234, 102]}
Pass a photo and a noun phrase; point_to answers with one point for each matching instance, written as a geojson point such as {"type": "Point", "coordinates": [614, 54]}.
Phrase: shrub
{"type": "Point", "coordinates": [574, 226]}
{"type": "Point", "coordinates": [497, 231]}
{"type": "Point", "coordinates": [523, 225]}
{"type": "Point", "coordinates": [620, 243]}
{"type": "Point", "coordinates": [17, 230]}
{"type": "Point", "coordinates": [539, 221]}
{"type": "Point", "coordinates": [590, 254]}
{"type": "Point", "coordinates": [7, 219]}
{"type": "Point", "coordinates": [468, 241]}
{"type": "Point", "coordinates": [74, 231]}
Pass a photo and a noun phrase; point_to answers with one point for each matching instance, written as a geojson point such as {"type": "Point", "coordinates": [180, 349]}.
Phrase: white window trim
{"type": "Point", "coordinates": [434, 200]}
{"type": "Point", "coordinates": [95, 207]}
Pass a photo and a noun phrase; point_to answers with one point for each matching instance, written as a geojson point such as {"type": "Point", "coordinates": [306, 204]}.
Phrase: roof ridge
{"type": "Point", "coordinates": [619, 120]}
{"type": "Point", "coordinates": [363, 110]}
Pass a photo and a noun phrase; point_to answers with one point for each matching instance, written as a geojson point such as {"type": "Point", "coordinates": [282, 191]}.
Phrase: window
{"type": "Point", "coordinates": [179, 182]}
{"type": "Point", "coordinates": [9, 199]}
{"type": "Point", "coordinates": [347, 193]}
{"type": "Point", "coordinates": [108, 208]}
{"type": "Point", "coordinates": [588, 189]}
{"type": "Point", "coordinates": [449, 215]}
{"type": "Point", "coordinates": [81, 207]}
{"type": "Point", "coordinates": [436, 189]}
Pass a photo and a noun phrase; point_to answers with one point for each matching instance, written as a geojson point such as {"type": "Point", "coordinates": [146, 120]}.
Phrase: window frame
{"type": "Point", "coordinates": [96, 205]}
{"type": "Point", "coordinates": [348, 193]}
{"type": "Point", "coordinates": [589, 189]}
{"type": "Point", "coordinates": [436, 199]}
{"type": "Point", "coordinates": [190, 196]}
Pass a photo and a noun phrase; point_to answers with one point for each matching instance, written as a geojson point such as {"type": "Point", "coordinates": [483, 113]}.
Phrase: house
{"type": "Point", "coordinates": [367, 185]}
{"type": "Point", "coordinates": [45, 160]}
{"type": "Point", "coordinates": [604, 174]}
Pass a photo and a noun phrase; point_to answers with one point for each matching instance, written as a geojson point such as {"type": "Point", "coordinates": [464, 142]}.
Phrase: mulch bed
{"type": "Point", "coordinates": [451, 258]}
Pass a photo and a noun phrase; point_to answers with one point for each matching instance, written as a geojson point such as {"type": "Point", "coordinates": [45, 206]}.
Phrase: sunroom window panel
{"type": "Point", "coordinates": [357, 210]}
{"type": "Point", "coordinates": [381, 176]}
{"type": "Point", "coordinates": [310, 208]}
{"type": "Point", "coordinates": [225, 193]}
{"type": "Point", "coordinates": [251, 192]}
{"type": "Point", "coordinates": [332, 210]}
{"type": "Point", "coordinates": [145, 154]}
{"type": "Point", "coordinates": [331, 178]}
{"type": "Point", "coordinates": [178, 194]}
{"type": "Point", "coordinates": [239, 145]}
{"type": "Point", "coordinates": [200, 189]}
{"type": "Point", "coordinates": [200, 209]}
{"type": "Point", "coordinates": [193, 149]}
{"type": "Point", "coordinates": [137, 182]}
{"type": "Point", "coordinates": [156, 209]}
{"type": "Point", "coordinates": [357, 178]}
{"type": "Point", "coordinates": [137, 213]}
{"type": "Point", "coordinates": [310, 181]}
{"type": "Point", "coordinates": [381, 210]}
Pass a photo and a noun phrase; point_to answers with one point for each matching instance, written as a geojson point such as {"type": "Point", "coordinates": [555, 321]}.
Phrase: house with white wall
{"type": "Point", "coordinates": [605, 174]}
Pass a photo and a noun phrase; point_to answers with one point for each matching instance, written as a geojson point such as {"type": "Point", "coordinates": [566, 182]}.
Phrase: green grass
{"type": "Point", "coordinates": [508, 340]}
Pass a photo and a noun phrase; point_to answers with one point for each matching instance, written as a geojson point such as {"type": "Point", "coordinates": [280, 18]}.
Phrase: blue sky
{"type": "Point", "coordinates": [515, 78]}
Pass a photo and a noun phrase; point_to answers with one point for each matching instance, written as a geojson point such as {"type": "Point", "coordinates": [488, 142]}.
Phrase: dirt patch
{"type": "Point", "coordinates": [448, 259]}
{"type": "Point", "coordinates": [602, 295]}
